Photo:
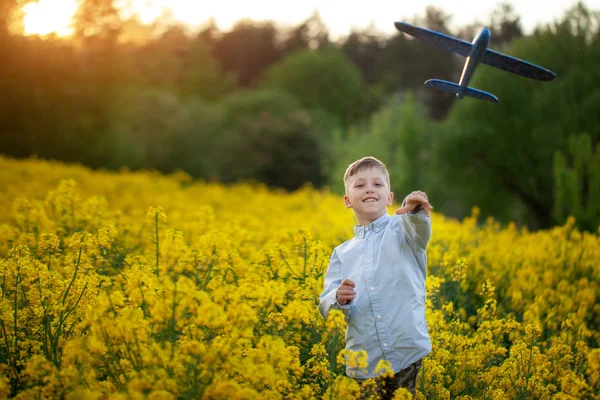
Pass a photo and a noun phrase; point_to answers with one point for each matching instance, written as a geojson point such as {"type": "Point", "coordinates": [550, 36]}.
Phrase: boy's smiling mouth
{"type": "Point", "coordinates": [370, 200]}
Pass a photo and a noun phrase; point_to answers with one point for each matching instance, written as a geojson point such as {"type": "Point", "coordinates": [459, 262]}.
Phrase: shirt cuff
{"type": "Point", "coordinates": [334, 302]}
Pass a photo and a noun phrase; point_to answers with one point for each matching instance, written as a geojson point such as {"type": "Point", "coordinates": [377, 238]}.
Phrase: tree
{"type": "Point", "coordinates": [39, 107]}
{"type": "Point", "coordinates": [500, 157]}
{"type": "Point", "coordinates": [267, 136]}
{"type": "Point", "coordinates": [577, 183]}
{"type": "Point", "coordinates": [365, 48]}
{"type": "Point", "coordinates": [505, 26]}
{"type": "Point", "coordinates": [161, 61]}
{"type": "Point", "coordinates": [319, 79]}
{"type": "Point", "coordinates": [7, 43]}
{"type": "Point", "coordinates": [58, 95]}
{"type": "Point", "coordinates": [184, 65]}
{"type": "Point", "coordinates": [310, 34]}
{"type": "Point", "coordinates": [202, 76]}
{"type": "Point", "coordinates": [97, 18]}
{"type": "Point", "coordinates": [163, 131]}
{"type": "Point", "coordinates": [247, 50]}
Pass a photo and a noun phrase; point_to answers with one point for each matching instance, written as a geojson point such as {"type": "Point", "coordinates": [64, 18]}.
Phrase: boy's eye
{"type": "Point", "coordinates": [378, 184]}
{"type": "Point", "coordinates": [360, 185]}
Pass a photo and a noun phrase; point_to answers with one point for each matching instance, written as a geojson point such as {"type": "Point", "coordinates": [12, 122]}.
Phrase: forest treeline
{"type": "Point", "coordinates": [289, 106]}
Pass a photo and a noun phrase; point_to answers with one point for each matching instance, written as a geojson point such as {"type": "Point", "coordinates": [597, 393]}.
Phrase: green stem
{"type": "Point", "coordinates": [528, 374]}
{"type": "Point", "coordinates": [144, 305]}
{"type": "Point", "coordinates": [156, 234]}
{"type": "Point", "coordinates": [17, 281]}
{"type": "Point", "coordinates": [172, 323]}
{"type": "Point", "coordinates": [305, 261]}
{"type": "Point", "coordinates": [288, 265]}
{"type": "Point", "coordinates": [113, 361]}
{"type": "Point", "coordinates": [61, 318]}
{"type": "Point", "coordinates": [6, 341]}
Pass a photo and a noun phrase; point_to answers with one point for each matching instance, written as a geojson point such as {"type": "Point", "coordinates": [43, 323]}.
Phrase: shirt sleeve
{"type": "Point", "coordinates": [333, 279]}
{"type": "Point", "coordinates": [417, 228]}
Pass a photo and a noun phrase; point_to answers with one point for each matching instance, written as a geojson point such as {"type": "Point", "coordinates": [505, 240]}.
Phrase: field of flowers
{"type": "Point", "coordinates": [139, 285]}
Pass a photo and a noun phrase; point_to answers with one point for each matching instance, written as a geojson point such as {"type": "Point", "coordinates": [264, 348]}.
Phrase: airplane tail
{"type": "Point", "coordinates": [455, 88]}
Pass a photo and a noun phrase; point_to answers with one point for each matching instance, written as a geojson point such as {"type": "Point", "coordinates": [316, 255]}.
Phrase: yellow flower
{"type": "Point", "coordinates": [102, 296]}
{"type": "Point", "coordinates": [384, 369]}
{"type": "Point", "coordinates": [402, 394]}
{"type": "Point", "coordinates": [161, 395]}
{"type": "Point", "coordinates": [4, 387]}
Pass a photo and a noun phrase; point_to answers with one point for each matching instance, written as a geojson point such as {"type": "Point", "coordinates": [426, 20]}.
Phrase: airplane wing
{"type": "Point", "coordinates": [449, 43]}
{"type": "Point", "coordinates": [516, 66]}
{"type": "Point", "coordinates": [491, 57]}
{"type": "Point", "coordinates": [452, 87]}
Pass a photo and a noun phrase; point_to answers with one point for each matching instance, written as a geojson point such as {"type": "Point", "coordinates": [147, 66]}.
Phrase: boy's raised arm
{"type": "Point", "coordinates": [416, 221]}
{"type": "Point", "coordinates": [333, 279]}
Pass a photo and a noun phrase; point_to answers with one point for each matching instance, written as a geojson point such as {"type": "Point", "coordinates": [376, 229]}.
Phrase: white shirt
{"type": "Point", "coordinates": [388, 263]}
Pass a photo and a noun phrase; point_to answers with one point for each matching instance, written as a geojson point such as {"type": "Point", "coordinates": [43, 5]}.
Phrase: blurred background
{"type": "Point", "coordinates": [290, 94]}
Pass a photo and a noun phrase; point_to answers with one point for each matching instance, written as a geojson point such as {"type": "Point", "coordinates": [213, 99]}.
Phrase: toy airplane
{"type": "Point", "coordinates": [475, 52]}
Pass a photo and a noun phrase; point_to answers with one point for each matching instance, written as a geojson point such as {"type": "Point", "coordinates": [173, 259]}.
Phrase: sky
{"type": "Point", "coordinates": [339, 16]}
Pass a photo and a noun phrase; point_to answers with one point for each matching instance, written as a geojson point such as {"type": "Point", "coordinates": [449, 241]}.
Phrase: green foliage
{"type": "Point", "coordinates": [268, 136]}
{"type": "Point", "coordinates": [319, 79]}
{"type": "Point", "coordinates": [110, 97]}
{"type": "Point", "coordinates": [500, 157]}
{"type": "Point", "coordinates": [55, 101]}
{"type": "Point", "coordinates": [202, 76]}
{"type": "Point", "coordinates": [252, 134]}
{"type": "Point", "coordinates": [311, 33]}
{"type": "Point", "coordinates": [183, 65]}
{"type": "Point", "coordinates": [248, 49]}
{"type": "Point", "coordinates": [163, 131]}
{"type": "Point", "coordinates": [577, 183]}
{"type": "Point", "coordinates": [92, 105]}
{"type": "Point", "coordinates": [399, 136]}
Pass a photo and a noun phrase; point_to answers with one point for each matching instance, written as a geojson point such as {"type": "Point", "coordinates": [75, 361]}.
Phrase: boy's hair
{"type": "Point", "coordinates": [362, 164]}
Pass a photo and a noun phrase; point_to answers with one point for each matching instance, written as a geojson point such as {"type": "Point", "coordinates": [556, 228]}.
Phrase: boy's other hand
{"type": "Point", "coordinates": [345, 293]}
{"type": "Point", "coordinates": [413, 201]}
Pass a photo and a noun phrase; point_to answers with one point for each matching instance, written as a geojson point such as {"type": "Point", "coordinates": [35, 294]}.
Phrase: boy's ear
{"type": "Point", "coordinates": [390, 199]}
{"type": "Point", "coordinates": [347, 201]}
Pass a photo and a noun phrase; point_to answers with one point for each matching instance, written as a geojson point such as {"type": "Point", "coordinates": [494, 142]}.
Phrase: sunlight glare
{"type": "Point", "coordinates": [49, 16]}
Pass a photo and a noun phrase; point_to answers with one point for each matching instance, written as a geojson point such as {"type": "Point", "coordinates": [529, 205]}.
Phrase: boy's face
{"type": "Point", "coordinates": [368, 193]}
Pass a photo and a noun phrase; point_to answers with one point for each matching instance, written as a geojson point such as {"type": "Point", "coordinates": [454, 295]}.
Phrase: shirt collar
{"type": "Point", "coordinates": [360, 231]}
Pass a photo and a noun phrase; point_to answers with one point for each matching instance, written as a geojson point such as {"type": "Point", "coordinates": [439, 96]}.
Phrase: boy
{"type": "Point", "coordinates": [378, 278]}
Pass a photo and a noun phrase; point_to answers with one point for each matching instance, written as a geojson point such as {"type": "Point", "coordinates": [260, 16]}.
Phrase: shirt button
{"type": "Point", "coordinates": [372, 288]}
{"type": "Point", "coordinates": [379, 317]}
{"type": "Point", "coordinates": [385, 345]}
{"type": "Point", "coordinates": [368, 261]}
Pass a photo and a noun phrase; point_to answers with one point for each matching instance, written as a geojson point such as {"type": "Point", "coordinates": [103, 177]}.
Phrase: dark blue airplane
{"type": "Point", "coordinates": [475, 52]}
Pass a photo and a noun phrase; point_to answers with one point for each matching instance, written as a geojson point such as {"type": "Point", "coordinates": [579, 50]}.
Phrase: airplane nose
{"type": "Point", "coordinates": [483, 37]}
{"type": "Point", "coordinates": [485, 32]}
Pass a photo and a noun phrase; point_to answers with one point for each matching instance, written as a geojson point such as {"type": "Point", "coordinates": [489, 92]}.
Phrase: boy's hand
{"type": "Point", "coordinates": [413, 201]}
{"type": "Point", "coordinates": [345, 293]}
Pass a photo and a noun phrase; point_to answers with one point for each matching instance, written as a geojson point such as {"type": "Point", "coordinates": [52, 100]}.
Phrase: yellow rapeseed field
{"type": "Point", "coordinates": [136, 285]}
